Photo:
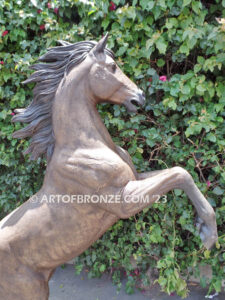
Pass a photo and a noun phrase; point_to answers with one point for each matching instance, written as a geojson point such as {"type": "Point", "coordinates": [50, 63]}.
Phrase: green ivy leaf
{"type": "Point", "coordinates": [218, 191]}
{"type": "Point", "coordinates": [102, 268]}
{"type": "Point", "coordinates": [186, 2]}
{"type": "Point", "coordinates": [146, 4]}
{"type": "Point", "coordinates": [200, 88]}
{"type": "Point", "coordinates": [160, 62]}
{"type": "Point", "coordinates": [161, 45]}
{"type": "Point", "coordinates": [184, 49]}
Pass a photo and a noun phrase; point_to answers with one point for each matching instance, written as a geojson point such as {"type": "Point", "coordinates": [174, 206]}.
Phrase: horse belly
{"type": "Point", "coordinates": [79, 227]}
{"type": "Point", "coordinates": [49, 235]}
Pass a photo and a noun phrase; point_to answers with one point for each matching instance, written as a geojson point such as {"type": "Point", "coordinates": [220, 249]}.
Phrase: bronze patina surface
{"type": "Point", "coordinates": [64, 124]}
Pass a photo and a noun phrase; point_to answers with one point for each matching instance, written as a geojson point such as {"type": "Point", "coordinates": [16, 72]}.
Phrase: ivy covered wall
{"type": "Point", "coordinates": [174, 50]}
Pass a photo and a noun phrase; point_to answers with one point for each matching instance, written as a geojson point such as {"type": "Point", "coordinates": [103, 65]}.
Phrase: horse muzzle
{"type": "Point", "coordinates": [133, 103]}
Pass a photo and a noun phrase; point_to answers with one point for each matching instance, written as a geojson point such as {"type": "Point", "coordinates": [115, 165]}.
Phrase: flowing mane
{"type": "Point", "coordinates": [57, 62]}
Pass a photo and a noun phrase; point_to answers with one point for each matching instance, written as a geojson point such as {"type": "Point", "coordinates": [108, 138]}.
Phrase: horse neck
{"type": "Point", "coordinates": [76, 121]}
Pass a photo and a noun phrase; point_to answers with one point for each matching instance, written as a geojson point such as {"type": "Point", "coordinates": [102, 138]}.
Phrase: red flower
{"type": "Point", "coordinates": [136, 131]}
{"type": "Point", "coordinates": [112, 6]}
{"type": "Point", "coordinates": [2, 62]}
{"type": "Point", "coordinates": [5, 32]}
{"type": "Point", "coordinates": [49, 5]}
{"type": "Point", "coordinates": [42, 27]}
{"type": "Point", "coordinates": [12, 114]}
{"type": "Point", "coordinates": [39, 11]}
{"type": "Point", "coordinates": [163, 78]}
{"type": "Point", "coordinates": [208, 183]}
{"type": "Point", "coordinates": [150, 80]}
{"type": "Point", "coordinates": [56, 10]}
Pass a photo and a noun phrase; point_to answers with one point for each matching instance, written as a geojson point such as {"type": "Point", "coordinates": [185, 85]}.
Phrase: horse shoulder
{"type": "Point", "coordinates": [96, 167]}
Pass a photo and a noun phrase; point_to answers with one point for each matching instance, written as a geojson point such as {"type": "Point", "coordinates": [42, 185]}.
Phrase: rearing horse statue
{"type": "Point", "coordinates": [65, 126]}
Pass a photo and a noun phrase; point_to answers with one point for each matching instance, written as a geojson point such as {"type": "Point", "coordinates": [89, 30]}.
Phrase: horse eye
{"type": "Point", "coordinates": [113, 67]}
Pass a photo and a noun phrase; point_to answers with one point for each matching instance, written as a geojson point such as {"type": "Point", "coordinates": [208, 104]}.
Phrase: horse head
{"type": "Point", "coordinates": [107, 82]}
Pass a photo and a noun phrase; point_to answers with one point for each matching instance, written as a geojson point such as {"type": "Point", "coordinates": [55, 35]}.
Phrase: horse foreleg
{"type": "Point", "coordinates": [150, 174]}
{"type": "Point", "coordinates": [159, 184]}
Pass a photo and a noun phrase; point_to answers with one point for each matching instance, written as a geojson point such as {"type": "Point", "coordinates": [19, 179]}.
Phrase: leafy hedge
{"type": "Point", "coordinates": [174, 50]}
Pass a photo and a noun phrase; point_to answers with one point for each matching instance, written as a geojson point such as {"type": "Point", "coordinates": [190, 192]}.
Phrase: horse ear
{"type": "Point", "coordinates": [100, 47]}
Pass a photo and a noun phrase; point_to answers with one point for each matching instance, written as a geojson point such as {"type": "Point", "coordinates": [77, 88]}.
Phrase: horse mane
{"type": "Point", "coordinates": [55, 64]}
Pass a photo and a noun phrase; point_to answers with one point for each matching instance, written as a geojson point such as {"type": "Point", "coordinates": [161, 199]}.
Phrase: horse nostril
{"type": "Point", "coordinates": [134, 102]}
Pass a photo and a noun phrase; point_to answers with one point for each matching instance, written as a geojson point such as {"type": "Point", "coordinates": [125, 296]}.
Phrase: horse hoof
{"type": "Point", "coordinates": [208, 238]}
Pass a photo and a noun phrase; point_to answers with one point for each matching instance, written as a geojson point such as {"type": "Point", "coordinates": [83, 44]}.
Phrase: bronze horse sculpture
{"type": "Point", "coordinates": [82, 159]}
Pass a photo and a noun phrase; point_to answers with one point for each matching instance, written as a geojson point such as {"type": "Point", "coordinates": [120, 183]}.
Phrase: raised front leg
{"type": "Point", "coordinates": [159, 184]}
{"type": "Point", "coordinates": [149, 174]}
